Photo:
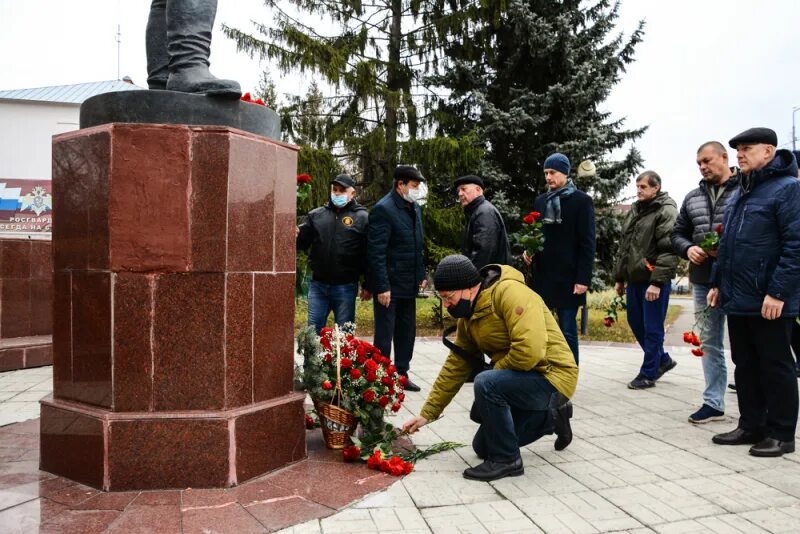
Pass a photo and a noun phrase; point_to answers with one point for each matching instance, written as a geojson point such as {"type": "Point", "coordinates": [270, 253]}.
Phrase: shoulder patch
{"type": "Point", "coordinates": [347, 220]}
{"type": "Point", "coordinates": [518, 310]}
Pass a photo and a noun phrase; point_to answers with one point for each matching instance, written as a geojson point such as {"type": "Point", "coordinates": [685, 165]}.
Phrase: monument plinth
{"type": "Point", "coordinates": [173, 252]}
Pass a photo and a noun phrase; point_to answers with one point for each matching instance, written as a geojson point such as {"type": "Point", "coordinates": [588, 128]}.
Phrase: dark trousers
{"type": "Point", "coordinates": [796, 341]}
{"type": "Point", "coordinates": [398, 322]}
{"type": "Point", "coordinates": [515, 411]}
{"type": "Point", "coordinates": [568, 322]}
{"type": "Point", "coordinates": [646, 319]}
{"type": "Point", "coordinates": [766, 384]}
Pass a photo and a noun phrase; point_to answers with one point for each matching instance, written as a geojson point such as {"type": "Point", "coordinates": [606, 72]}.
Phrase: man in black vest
{"type": "Point", "coordinates": [485, 239]}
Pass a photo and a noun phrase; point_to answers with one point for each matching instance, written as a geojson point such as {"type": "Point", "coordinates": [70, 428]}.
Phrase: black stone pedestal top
{"type": "Point", "coordinates": [170, 107]}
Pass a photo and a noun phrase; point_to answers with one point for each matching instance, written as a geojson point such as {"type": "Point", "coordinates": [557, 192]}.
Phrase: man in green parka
{"type": "Point", "coordinates": [524, 396]}
{"type": "Point", "coordinates": [647, 262]}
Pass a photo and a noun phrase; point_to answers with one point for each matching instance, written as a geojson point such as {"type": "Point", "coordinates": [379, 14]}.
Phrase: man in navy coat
{"type": "Point", "coordinates": [397, 267]}
{"type": "Point", "coordinates": [757, 284]}
{"type": "Point", "coordinates": [563, 270]}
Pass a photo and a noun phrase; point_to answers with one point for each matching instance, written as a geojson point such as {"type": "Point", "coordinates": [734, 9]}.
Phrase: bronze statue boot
{"type": "Point", "coordinates": [178, 48]}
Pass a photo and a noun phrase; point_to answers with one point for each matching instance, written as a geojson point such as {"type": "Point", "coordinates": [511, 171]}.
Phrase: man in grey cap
{"type": "Point", "coordinates": [337, 236]}
{"type": "Point", "coordinates": [485, 240]}
{"type": "Point", "coordinates": [756, 282]}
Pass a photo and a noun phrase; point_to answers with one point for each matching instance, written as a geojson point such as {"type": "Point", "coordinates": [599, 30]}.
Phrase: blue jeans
{"type": "Point", "coordinates": [324, 298]}
{"type": "Point", "coordinates": [712, 332]}
{"type": "Point", "coordinates": [515, 410]}
{"type": "Point", "coordinates": [646, 320]}
{"type": "Point", "coordinates": [568, 322]}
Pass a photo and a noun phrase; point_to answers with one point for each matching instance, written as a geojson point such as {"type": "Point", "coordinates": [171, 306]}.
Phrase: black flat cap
{"type": "Point", "coordinates": [344, 180]}
{"type": "Point", "coordinates": [468, 179]}
{"type": "Point", "coordinates": [405, 173]}
{"type": "Point", "coordinates": [755, 136]}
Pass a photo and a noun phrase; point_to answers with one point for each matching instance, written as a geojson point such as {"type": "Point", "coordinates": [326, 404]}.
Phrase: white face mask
{"type": "Point", "coordinates": [417, 194]}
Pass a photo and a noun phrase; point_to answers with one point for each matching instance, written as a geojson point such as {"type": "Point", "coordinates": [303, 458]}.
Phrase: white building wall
{"type": "Point", "coordinates": [26, 132]}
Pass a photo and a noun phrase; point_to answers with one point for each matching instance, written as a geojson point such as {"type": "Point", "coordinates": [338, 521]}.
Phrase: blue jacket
{"type": "Point", "coordinates": [394, 247]}
{"type": "Point", "coordinates": [759, 252]}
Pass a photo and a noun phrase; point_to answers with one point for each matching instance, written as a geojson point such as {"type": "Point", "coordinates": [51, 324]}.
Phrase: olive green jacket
{"type": "Point", "coordinates": [512, 325]}
{"type": "Point", "coordinates": [646, 239]}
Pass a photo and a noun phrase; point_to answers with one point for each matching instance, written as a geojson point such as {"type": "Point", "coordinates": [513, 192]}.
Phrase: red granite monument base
{"type": "Point", "coordinates": [173, 308]}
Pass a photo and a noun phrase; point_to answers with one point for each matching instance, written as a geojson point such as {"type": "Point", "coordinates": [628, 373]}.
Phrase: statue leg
{"type": "Point", "coordinates": [156, 45]}
{"type": "Point", "coordinates": [189, 25]}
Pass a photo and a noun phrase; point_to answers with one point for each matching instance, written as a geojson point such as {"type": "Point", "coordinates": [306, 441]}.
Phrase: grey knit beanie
{"type": "Point", "coordinates": [455, 272]}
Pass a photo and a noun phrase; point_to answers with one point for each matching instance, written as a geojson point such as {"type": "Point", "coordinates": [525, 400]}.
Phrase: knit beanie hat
{"type": "Point", "coordinates": [455, 272]}
{"type": "Point", "coordinates": [558, 162]}
{"type": "Point", "coordinates": [586, 169]}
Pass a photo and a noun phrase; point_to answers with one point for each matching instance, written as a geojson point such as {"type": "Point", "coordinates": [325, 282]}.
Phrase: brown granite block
{"type": "Point", "coordinates": [79, 521]}
{"type": "Point", "coordinates": [11, 359]}
{"type": "Point", "coordinates": [91, 337]}
{"type": "Point", "coordinates": [285, 208]}
{"type": "Point", "coordinates": [62, 335]}
{"type": "Point", "coordinates": [209, 200]}
{"type": "Point", "coordinates": [41, 260]}
{"type": "Point", "coordinates": [41, 306]}
{"type": "Point", "coordinates": [273, 336]}
{"type": "Point", "coordinates": [285, 513]}
{"type": "Point", "coordinates": [231, 518]}
{"type": "Point", "coordinates": [148, 204]}
{"type": "Point", "coordinates": [115, 500]}
{"type": "Point", "coordinates": [15, 297]}
{"type": "Point", "coordinates": [168, 453]}
{"type": "Point", "coordinates": [71, 445]}
{"type": "Point", "coordinates": [250, 204]}
{"type": "Point", "coordinates": [204, 498]}
{"type": "Point", "coordinates": [161, 519]}
{"type": "Point", "coordinates": [270, 438]}
{"type": "Point", "coordinates": [16, 261]}
{"type": "Point", "coordinates": [39, 356]}
{"type": "Point", "coordinates": [238, 339]}
{"type": "Point", "coordinates": [188, 332]}
{"type": "Point", "coordinates": [159, 497]}
{"type": "Point", "coordinates": [133, 354]}
{"type": "Point", "coordinates": [81, 177]}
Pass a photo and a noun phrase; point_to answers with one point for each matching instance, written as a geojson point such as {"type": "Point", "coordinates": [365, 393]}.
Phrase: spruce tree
{"type": "Point", "coordinates": [531, 77]}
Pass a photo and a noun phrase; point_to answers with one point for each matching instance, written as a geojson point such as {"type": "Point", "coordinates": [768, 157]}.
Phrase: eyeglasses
{"type": "Point", "coordinates": [447, 296]}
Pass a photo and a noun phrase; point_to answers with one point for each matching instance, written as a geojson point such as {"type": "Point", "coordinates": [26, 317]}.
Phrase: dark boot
{"type": "Point", "coordinates": [156, 46]}
{"type": "Point", "coordinates": [561, 412]}
{"type": "Point", "coordinates": [188, 44]}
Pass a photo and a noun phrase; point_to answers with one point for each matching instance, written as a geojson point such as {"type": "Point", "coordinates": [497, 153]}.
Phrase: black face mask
{"type": "Point", "coordinates": [462, 310]}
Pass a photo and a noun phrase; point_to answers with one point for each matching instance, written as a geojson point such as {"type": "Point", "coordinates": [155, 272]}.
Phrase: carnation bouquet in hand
{"type": "Point", "coordinates": [531, 236]}
{"type": "Point", "coordinates": [711, 240]}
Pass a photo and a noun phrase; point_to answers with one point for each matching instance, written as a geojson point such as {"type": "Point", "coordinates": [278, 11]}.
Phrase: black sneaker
{"type": "Point", "coordinates": [641, 382]}
{"type": "Point", "coordinates": [669, 366]}
{"type": "Point", "coordinates": [706, 414]}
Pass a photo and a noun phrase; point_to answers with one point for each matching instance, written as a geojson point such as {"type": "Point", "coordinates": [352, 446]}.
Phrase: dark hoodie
{"type": "Point", "coordinates": [759, 251]}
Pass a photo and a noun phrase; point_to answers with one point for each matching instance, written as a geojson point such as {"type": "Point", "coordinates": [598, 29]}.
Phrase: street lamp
{"type": "Point", "coordinates": [794, 137]}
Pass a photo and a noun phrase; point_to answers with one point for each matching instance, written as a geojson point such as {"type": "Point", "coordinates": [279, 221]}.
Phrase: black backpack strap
{"type": "Point", "coordinates": [475, 360]}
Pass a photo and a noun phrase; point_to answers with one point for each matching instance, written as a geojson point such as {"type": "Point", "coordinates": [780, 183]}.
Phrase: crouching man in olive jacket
{"type": "Point", "coordinates": [524, 396]}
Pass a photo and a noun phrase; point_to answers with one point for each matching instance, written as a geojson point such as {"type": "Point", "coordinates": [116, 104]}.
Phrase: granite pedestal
{"type": "Point", "coordinates": [174, 283]}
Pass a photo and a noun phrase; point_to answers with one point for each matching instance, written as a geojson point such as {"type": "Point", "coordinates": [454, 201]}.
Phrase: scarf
{"type": "Point", "coordinates": [552, 209]}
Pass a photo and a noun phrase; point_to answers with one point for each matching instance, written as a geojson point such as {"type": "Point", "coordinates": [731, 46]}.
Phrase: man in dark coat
{"type": "Point", "coordinates": [702, 213]}
{"type": "Point", "coordinates": [397, 267]}
{"type": "Point", "coordinates": [337, 236]}
{"type": "Point", "coordinates": [647, 263]}
{"type": "Point", "coordinates": [757, 284]}
{"type": "Point", "coordinates": [563, 270]}
{"type": "Point", "coordinates": [485, 240]}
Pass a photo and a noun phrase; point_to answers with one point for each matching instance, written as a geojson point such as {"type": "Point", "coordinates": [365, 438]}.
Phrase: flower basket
{"type": "Point", "coordinates": [337, 424]}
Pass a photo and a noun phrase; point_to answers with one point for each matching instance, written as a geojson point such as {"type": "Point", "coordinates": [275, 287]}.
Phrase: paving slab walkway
{"type": "Point", "coordinates": [635, 465]}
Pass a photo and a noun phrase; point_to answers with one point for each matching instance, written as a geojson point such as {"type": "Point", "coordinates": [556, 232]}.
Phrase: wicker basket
{"type": "Point", "coordinates": [337, 425]}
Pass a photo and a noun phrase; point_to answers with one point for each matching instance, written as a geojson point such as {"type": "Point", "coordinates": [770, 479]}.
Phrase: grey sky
{"type": "Point", "coordinates": [707, 69]}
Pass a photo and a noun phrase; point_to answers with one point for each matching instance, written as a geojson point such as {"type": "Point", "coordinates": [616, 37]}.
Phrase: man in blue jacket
{"type": "Point", "coordinates": [397, 267]}
{"type": "Point", "coordinates": [757, 284]}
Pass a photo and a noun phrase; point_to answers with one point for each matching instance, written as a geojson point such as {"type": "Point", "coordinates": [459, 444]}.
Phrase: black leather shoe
{"type": "Point", "coordinates": [737, 436]}
{"type": "Point", "coordinates": [641, 382]}
{"type": "Point", "coordinates": [772, 448]}
{"type": "Point", "coordinates": [669, 366]}
{"type": "Point", "coordinates": [411, 386]}
{"type": "Point", "coordinates": [561, 413]}
{"type": "Point", "coordinates": [489, 470]}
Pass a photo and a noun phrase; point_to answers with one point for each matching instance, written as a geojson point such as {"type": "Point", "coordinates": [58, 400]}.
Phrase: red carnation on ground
{"type": "Point", "coordinates": [368, 395]}
{"type": "Point", "coordinates": [351, 453]}
{"type": "Point", "coordinates": [374, 461]}
{"type": "Point", "coordinates": [309, 421]}
{"type": "Point", "coordinates": [355, 374]}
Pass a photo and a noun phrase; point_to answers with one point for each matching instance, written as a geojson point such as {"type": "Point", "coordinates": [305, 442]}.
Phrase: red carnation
{"type": "Point", "coordinates": [361, 350]}
{"type": "Point", "coordinates": [305, 179]}
{"type": "Point", "coordinates": [718, 229]}
{"type": "Point", "coordinates": [401, 397]}
{"type": "Point", "coordinates": [309, 422]}
{"type": "Point", "coordinates": [368, 395]}
{"type": "Point", "coordinates": [327, 385]}
{"type": "Point", "coordinates": [391, 370]}
{"type": "Point", "coordinates": [383, 401]}
{"type": "Point", "coordinates": [528, 219]}
{"type": "Point", "coordinates": [346, 363]}
{"type": "Point", "coordinates": [325, 331]}
{"type": "Point", "coordinates": [370, 365]}
{"type": "Point", "coordinates": [608, 321]}
{"type": "Point", "coordinates": [328, 358]}
{"type": "Point", "coordinates": [374, 461]}
{"type": "Point", "coordinates": [407, 468]}
{"type": "Point", "coordinates": [687, 337]}
{"type": "Point", "coordinates": [396, 407]}
{"type": "Point", "coordinates": [403, 379]}
{"type": "Point", "coordinates": [326, 343]}
{"type": "Point", "coordinates": [377, 357]}
{"type": "Point", "coordinates": [371, 376]}
{"type": "Point", "coordinates": [697, 352]}
{"type": "Point", "coordinates": [387, 381]}
{"type": "Point", "coordinates": [351, 453]}
{"type": "Point", "coordinates": [355, 374]}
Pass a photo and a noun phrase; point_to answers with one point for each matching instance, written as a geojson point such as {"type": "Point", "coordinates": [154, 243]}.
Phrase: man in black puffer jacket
{"type": "Point", "coordinates": [702, 213]}
{"type": "Point", "coordinates": [757, 284]}
{"type": "Point", "coordinates": [337, 235]}
{"type": "Point", "coordinates": [485, 240]}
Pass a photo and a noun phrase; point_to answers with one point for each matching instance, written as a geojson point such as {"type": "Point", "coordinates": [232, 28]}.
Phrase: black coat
{"type": "Point", "coordinates": [485, 240]}
{"type": "Point", "coordinates": [338, 241]}
{"type": "Point", "coordinates": [394, 247]}
{"type": "Point", "coordinates": [568, 255]}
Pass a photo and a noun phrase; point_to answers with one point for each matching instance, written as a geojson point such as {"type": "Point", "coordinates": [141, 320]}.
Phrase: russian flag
{"type": "Point", "coordinates": [9, 200]}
